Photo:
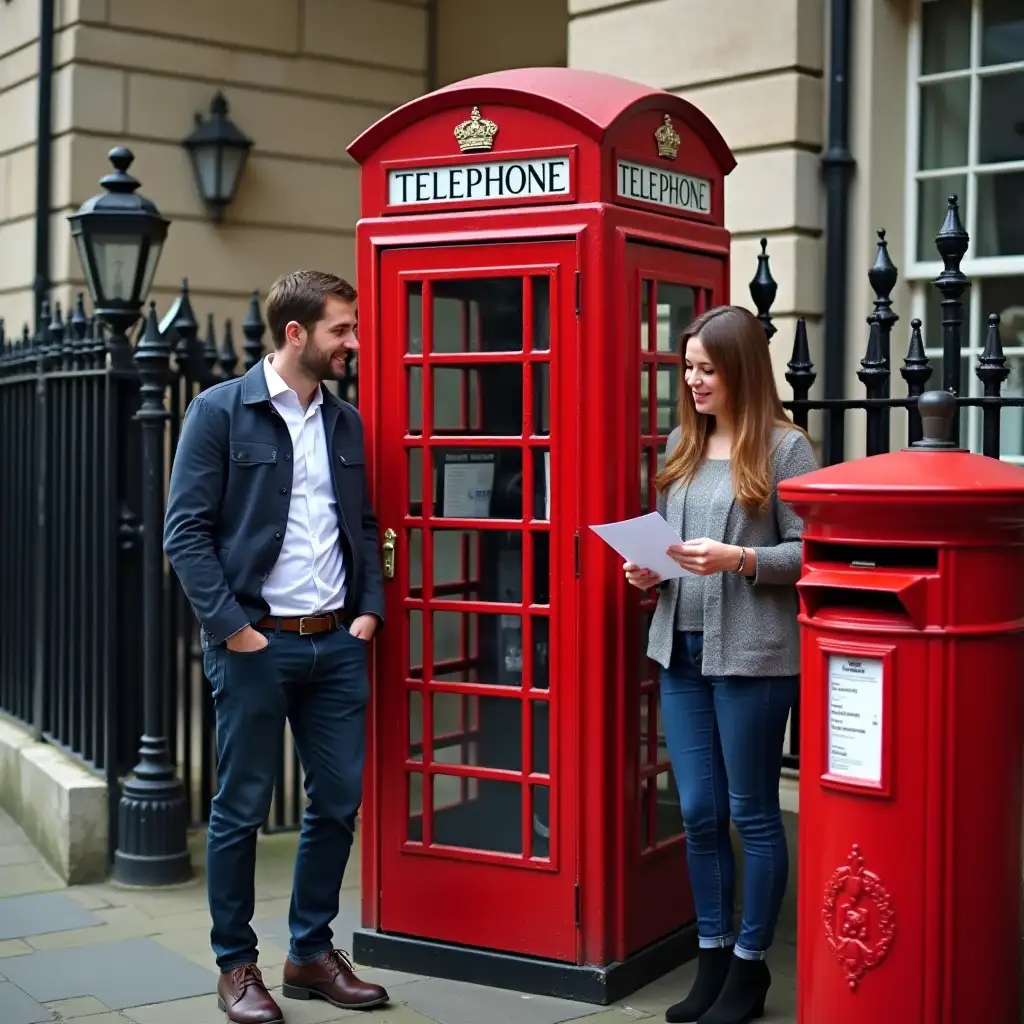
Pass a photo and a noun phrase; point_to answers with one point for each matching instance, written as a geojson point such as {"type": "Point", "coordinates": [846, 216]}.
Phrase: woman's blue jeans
{"type": "Point", "coordinates": [725, 736]}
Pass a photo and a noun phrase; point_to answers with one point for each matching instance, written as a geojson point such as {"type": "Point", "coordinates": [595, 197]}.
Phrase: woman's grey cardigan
{"type": "Point", "coordinates": [750, 626]}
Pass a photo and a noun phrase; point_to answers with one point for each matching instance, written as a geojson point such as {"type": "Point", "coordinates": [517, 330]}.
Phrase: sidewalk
{"type": "Point", "coordinates": [100, 954]}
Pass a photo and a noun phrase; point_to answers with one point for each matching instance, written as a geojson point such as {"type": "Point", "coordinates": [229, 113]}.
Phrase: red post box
{"type": "Point", "coordinates": [531, 243]}
{"type": "Point", "coordinates": [912, 613]}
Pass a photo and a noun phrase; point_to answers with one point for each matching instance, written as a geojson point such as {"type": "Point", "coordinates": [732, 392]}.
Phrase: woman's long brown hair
{"type": "Point", "coordinates": [738, 349]}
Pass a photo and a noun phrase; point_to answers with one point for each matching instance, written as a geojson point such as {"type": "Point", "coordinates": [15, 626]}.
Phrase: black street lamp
{"type": "Point", "coordinates": [119, 237]}
{"type": "Point", "coordinates": [219, 150]}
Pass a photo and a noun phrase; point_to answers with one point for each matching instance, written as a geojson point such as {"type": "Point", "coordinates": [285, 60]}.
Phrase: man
{"type": "Point", "coordinates": [270, 530]}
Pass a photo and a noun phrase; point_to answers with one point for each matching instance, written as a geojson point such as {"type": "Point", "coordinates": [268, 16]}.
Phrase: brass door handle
{"type": "Point", "coordinates": [389, 554]}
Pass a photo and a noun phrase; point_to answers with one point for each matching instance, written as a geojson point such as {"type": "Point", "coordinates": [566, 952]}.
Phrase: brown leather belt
{"type": "Point", "coordinates": [306, 625]}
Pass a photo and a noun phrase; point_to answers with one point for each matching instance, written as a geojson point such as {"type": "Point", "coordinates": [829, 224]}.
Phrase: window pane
{"type": "Point", "coordinates": [478, 315]}
{"type": "Point", "coordinates": [480, 732]}
{"type": "Point", "coordinates": [946, 36]}
{"type": "Point", "coordinates": [1002, 39]}
{"type": "Point", "coordinates": [1011, 421]}
{"type": "Point", "coordinates": [1001, 135]}
{"type": "Point", "coordinates": [1005, 296]}
{"type": "Point", "coordinates": [675, 311]}
{"type": "Point", "coordinates": [478, 814]}
{"type": "Point", "coordinates": [932, 194]}
{"type": "Point", "coordinates": [414, 299]}
{"type": "Point", "coordinates": [1000, 230]}
{"type": "Point", "coordinates": [945, 112]}
{"type": "Point", "coordinates": [541, 314]}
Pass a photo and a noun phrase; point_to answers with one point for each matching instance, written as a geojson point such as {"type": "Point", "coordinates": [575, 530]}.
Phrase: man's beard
{"type": "Point", "coordinates": [318, 364]}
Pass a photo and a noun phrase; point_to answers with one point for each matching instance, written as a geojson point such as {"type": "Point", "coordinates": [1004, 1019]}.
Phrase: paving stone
{"type": "Point", "coordinates": [17, 853]}
{"type": "Point", "coordinates": [18, 1008]}
{"type": "Point", "coordinates": [452, 1002]}
{"type": "Point", "coordinates": [21, 916]}
{"type": "Point", "coordinates": [14, 947]}
{"type": "Point", "coordinates": [82, 1006]}
{"type": "Point", "coordinates": [21, 879]}
{"type": "Point", "coordinates": [128, 973]}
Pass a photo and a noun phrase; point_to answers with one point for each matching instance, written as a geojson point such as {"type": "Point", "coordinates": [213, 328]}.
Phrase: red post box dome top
{"type": "Point", "coordinates": [933, 470]}
{"type": "Point", "coordinates": [586, 100]}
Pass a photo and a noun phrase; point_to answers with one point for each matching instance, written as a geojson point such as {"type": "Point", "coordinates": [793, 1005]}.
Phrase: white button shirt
{"type": "Point", "coordinates": [309, 577]}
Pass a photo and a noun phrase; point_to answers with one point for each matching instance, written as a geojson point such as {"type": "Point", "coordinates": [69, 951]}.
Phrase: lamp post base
{"type": "Point", "coordinates": [152, 834]}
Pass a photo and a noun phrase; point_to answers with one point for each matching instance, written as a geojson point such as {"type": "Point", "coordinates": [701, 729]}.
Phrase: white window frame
{"type": "Point", "coordinates": [920, 274]}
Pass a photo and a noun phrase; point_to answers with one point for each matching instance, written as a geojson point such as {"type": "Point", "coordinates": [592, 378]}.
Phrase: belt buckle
{"type": "Point", "coordinates": [303, 619]}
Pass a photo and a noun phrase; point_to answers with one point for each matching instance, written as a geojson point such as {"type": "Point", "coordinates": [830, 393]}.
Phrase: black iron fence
{"type": "Point", "coordinates": [70, 542]}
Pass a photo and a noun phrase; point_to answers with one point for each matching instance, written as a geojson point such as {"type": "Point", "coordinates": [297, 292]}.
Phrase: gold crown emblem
{"type": "Point", "coordinates": [476, 133]}
{"type": "Point", "coordinates": [668, 140]}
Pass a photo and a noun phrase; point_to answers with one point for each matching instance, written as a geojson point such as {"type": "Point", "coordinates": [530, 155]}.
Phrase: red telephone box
{"type": "Point", "coordinates": [531, 243]}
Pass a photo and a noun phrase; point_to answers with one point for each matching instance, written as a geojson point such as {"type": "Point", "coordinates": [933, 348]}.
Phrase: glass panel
{"type": "Point", "coordinates": [414, 827]}
{"type": "Point", "coordinates": [542, 399]}
{"type": "Point", "coordinates": [1002, 38]}
{"type": "Point", "coordinates": [152, 259]}
{"type": "Point", "coordinates": [416, 644]}
{"type": "Point", "coordinates": [541, 314]}
{"type": "Point", "coordinates": [668, 398]}
{"type": "Point", "coordinates": [645, 303]}
{"type": "Point", "coordinates": [481, 732]}
{"type": "Point", "coordinates": [675, 311]}
{"type": "Point", "coordinates": [541, 739]}
{"type": "Point", "coordinates": [645, 825]}
{"type": "Point", "coordinates": [932, 194]}
{"type": "Point", "coordinates": [415, 458]}
{"type": "Point", "coordinates": [647, 722]}
{"type": "Point", "coordinates": [478, 315]}
{"type": "Point", "coordinates": [645, 480]}
{"type": "Point", "coordinates": [458, 555]}
{"type": "Point", "coordinates": [540, 654]}
{"type": "Point", "coordinates": [1011, 420]}
{"type": "Point", "coordinates": [540, 845]}
{"type": "Point", "coordinates": [488, 819]}
{"type": "Point", "coordinates": [117, 262]}
{"type": "Point", "coordinates": [944, 118]}
{"type": "Point", "coordinates": [415, 725]}
{"type": "Point", "coordinates": [414, 313]}
{"type": "Point", "coordinates": [414, 377]}
{"type": "Point", "coordinates": [541, 568]}
{"type": "Point", "coordinates": [478, 399]}
{"type": "Point", "coordinates": [479, 483]}
{"type": "Point", "coordinates": [1005, 296]}
{"type": "Point", "coordinates": [1000, 230]}
{"type": "Point", "coordinates": [414, 559]}
{"type": "Point", "coordinates": [476, 647]}
{"type": "Point", "coordinates": [668, 818]}
{"type": "Point", "coordinates": [542, 484]}
{"type": "Point", "coordinates": [645, 399]}
{"type": "Point", "coordinates": [945, 36]}
{"type": "Point", "coordinates": [1001, 134]}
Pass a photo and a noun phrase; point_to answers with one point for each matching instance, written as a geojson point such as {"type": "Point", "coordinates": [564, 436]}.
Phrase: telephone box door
{"type": "Point", "coordinates": [476, 669]}
{"type": "Point", "coordinates": [667, 289]}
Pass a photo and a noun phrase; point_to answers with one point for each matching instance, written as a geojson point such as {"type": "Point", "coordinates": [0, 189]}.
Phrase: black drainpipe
{"type": "Point", "coordinates": [44, 155]}
{"type": "Point", "coordinates": [838, 165]}
{"type": "Point", "coordinates": [433, 14]}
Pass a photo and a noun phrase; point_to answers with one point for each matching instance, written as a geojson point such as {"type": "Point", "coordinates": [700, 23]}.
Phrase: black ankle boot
{"type": "Point", "coordinates": [743, 994]}
{"type": "Point", "coordinates": [712, 968]}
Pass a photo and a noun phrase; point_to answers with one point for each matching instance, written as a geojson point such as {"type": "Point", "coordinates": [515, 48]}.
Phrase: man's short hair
{"type": "Point", "coordinates": [300, 296]}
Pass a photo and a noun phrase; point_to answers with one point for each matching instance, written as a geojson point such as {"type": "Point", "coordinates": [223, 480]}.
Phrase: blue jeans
{"type": "Point", "coordinates": [319, 683]}
{"type": "Point", "coordinates": [725, 737]}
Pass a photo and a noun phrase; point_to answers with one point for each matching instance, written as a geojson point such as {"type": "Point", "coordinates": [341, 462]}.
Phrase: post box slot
{"type": "Point", "coordinates": [896, 597]}
{"type": "Point", "coordinates": [859, 600]}
{"type": "Point", "coordinates": [872, 556]}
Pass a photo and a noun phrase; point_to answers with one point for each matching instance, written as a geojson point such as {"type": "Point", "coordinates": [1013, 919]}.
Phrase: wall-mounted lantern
{"type": "Point", "coordinates": [219, 150]}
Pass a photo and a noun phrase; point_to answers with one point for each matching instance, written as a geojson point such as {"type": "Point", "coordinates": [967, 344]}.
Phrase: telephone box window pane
{"type": "Point", "coordinates": [542, 399]}
{"type": "Point", "coordinates": [479, 399]}
{"type": "Point", "coordinates": [478, 732]}
{"type": "Point", "coordinates": [414, 312]}
{"type": "Point", "coordinates": [1001, 216]}
{"type": "Point", "coordinates": [645, 319]}
{"type": "Point", "coordinates": [415, 644]}
{"type": "Point", "coordinates": [540, 839]}
{"type": "Point", "coordinates": [414, 377]}
{"type": "Point", "coordinates": [668, 818]}
{"type": "Point", "coordinates": [540, 653]}
{"type": "Point", "coordinates": [645, 399]}
{"type": "Point", "coordinates": [647, 723]}
{"type": "Point", "coordinates": [415, 725]}
{"type": "Point", "coordinates": [475, 647]}
{"type": "Point", "coordinates": [675, 311]}
{"type": "Point", "coordinates": [541, 313]}
{"type": "Point", "coordinates": [458, 555]}
{"type": "Point", "coordinates": [414, 559]}
{"type": "Point", "coordinates": [541, 569]}
{"type": "Point", "coordinates": [414, 825]}
{"type": "Point", "coordinates": [645, 822]}
{"type": "Point", "coordinates": [415, 459]}
{"type": "Point", "coordinates": [541, 737]}
{"type": "Point", "coordinates": [479, 483]}
{"type": "Point", "coordinates": [483, 314]}
{"type": "Point", "coordinates": [945, 36]}
{"type": "Point", "coordinates": [668, 398]}
{"type": "Point", "coordinates": [542, 484]}
{"type": "Point", "coordinates": [486, 816]}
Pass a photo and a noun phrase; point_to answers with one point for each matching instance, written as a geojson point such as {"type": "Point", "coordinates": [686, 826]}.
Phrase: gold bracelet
{"type": "Point", "coordinates": [743, 562]}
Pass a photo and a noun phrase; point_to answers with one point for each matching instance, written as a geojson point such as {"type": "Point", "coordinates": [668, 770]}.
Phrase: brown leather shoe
{"type": "Point", "coordinates": [330, 977]}
{"type": "Point", "coordinates": [242, 995]}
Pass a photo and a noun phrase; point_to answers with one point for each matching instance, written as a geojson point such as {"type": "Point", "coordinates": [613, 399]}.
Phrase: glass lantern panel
{"type": "Point", "coordinates": [117, 262]}
{"type": "Point", "coordinates": [82, 245]}
{"type": "Point", "coordinates": [232, 162]}
{"type": "Point", "coordinates": [206, 160]}
{"type": "Point", "coordinates": [152, 259]}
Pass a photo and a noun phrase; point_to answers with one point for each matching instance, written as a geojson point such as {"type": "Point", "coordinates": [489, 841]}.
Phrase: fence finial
{"type": "Point", "coordinates": [253, 328]}
{"type": "Point", "coordinates": [763, 290]}
{"type": "Point", "coordinates": [228, 357]}
{"type": "Point", "coordinates": [210, 347]}
{"type": "Point", "coordinates": [800, 372]}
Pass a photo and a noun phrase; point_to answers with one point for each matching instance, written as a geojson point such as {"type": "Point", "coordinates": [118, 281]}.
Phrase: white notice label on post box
{"type": "Point", "coordinates": [855, 690]}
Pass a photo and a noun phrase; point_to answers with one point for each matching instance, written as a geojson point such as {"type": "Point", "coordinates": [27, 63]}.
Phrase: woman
{"type": "Point", "coordinates": [725, 636]}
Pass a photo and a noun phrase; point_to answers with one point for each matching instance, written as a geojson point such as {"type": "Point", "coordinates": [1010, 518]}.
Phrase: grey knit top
{"type": "Point", "coordinates": [696, 503]}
